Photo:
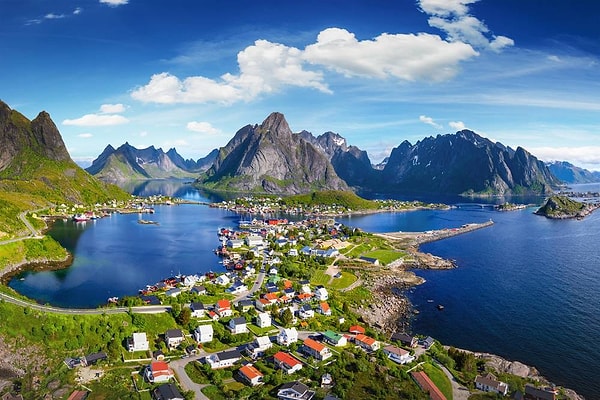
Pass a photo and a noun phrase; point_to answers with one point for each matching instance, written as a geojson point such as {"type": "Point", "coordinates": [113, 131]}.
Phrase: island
{"type": "Point", "coordinates": [563, 207]}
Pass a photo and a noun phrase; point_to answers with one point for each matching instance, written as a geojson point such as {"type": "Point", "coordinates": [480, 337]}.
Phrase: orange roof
{"type": "Point", "coordinates": [356, 329]}
{"type": "Point", "coordinates": [250, 371]}
{"type": "Point", "coordinates": [304, 296]}
{"type": "Point", "coordinates": [287, 284]}
{"type": "Point", "coordinates": [369, 341]}
{"type": "Point", "coordinates": [271, 296]}
{"type": "Point", "coordinates": [286, 359]}
{"type": "Point", "coordinates": [265, 302]}
{"type": "Point", "coordinates": [427, 385]}
{"type": "Point", "coordinates": [313, 344]}
{"type": "Point", "coordinates": [284, 298]}
{"type": "Point", "coordinates": [223, 303]}
{"type": "Point", "coordinates": [324, 306]}
{"type": "Point", "coordinates": [159, 366]}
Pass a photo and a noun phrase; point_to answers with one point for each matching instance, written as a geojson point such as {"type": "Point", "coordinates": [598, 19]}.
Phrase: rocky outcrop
{"type": "Point", "coordinates": [465, 163]}
{"type": "Point", "coordinates": [270, 158]}
{"type": "Point", "coordinates": [562, 207]}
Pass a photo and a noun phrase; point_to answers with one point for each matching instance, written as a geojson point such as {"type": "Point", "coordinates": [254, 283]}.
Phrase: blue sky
{"type": "Point", "coordinates": [189, 73]}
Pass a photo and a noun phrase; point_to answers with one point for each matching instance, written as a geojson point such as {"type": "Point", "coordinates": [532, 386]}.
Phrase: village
{"type": "Point", "coordinates": [286, 321]}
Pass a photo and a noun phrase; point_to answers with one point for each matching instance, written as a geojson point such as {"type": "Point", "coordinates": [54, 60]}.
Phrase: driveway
{"type": "Point", "coordinates": [459, 392]}
{"type": "Point", "coordinates": [184, 380]}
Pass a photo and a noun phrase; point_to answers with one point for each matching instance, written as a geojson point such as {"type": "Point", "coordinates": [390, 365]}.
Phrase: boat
{"type": "Point", "coordinates": [440, 307]}
{"type": "Point", "coordinates": [80, 218]}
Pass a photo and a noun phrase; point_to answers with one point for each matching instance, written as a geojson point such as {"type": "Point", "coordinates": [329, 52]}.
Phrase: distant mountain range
{"type": "Point", "coordinates": [569, 173]}
{"type": "Point", "coordinates": [129, 163]}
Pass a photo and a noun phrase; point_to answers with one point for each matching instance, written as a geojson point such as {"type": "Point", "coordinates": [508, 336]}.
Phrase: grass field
{"type": "Point", "coordinates": [385, 256]}
{"type": "Point", "coordinates": [321, 278]}
{"type": "Point", "coordinates": [440, 379]}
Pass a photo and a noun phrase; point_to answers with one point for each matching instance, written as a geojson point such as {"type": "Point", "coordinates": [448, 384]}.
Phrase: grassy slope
{"type": "Point", "coordinates": [332, 197]}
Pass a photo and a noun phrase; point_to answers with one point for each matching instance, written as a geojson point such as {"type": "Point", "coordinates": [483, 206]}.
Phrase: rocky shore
{"type": "Point", "coordinates": [7, 273]}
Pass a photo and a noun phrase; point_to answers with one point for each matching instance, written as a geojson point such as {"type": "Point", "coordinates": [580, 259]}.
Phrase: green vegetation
{"type": "Point", "coordinates": [31, 250]}
{"type": "Point", "coordinates": [385, 256]}
{"type": "Point", "coordinates": [440, 379]}
{"type": "Point", "coordinates": [562, 207]}
{"type": "Point", "coordinates": [338, 198]}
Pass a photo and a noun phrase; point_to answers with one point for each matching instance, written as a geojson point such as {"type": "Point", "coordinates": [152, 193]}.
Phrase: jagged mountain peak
{"type": "Point", "coordinates": [276, 124]}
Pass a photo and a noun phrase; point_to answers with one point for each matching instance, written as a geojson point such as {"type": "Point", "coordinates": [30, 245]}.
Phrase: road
{"type": "Point", "coordinates": [184, 380]}
{"type": "Point", "coordinates": [459, 392]}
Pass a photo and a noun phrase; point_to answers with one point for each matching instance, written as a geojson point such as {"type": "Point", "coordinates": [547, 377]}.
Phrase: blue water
{"type": "Point", "coordinates": [525, 288]}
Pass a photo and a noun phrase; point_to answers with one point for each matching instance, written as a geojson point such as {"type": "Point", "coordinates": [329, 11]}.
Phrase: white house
{"type": "Point", "coordinates": [489, 383]}
{"type": "Point", "coordinates": [286, 362]}
{"type": "Point", "coordinates": [324, 308]}
{"type": "Point", "coordinates": [235, 243]}
{"type": "Point", "coordinates": [159, 371]}
{"type": "Point", "coordinates": [250, 374]}
{"type": "Point", "coordinates": [254, 240]}
{"type": "Point", "coordinates": [222, 280]}
{"type": "Point", "coordinates": [293, 252]}
{"type": "Point", "coordinates": [397, 354]}
{"type": "Point", "coordinates": [204, 333]}
{"type": "Point", "coordinates": [173, 337]}
{"type": "Point", "coordinates": [138, 342]}
{"type": "Point", "coordinates": [263, 320]}
{"type": "Point", "coordinates": [295, 391]}
{"type": "Point", "coordinates": [237, 287]}
{"type": "Point", "coordinates": [223, 308]}
{"type": "Point", "coordinates": [259, 346]}
{"type": "Point", "coordinates": [197, 309]}
{"type": "Point", "coordinates": [238, 325]}
{"type": "Point", "coordinates": [315, 349]}
{"type": "Point", "coordinates": [287, 336]}
{"type": "Point", "coordinates": [321, 294]}
{"type": "Point", "coordinates": [306, 312]}
{"type": "Point", "coordinates": [223, 359]}
{"type": "Point", "coordinates": [366, 342]}
{"type": "Point", "coordinates": [334, 339]}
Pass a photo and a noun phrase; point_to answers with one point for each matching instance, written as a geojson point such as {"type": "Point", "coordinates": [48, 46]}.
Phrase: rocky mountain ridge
{"type": "Point", "coordinates": [569, 173]}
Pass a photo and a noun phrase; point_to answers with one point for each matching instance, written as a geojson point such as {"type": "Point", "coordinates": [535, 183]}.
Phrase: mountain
{"type": "Point", "coordinates": [270, 158]}
{"type": "Point", "coordinates": [36, 170]}
{"type": "Point", "coordinates": [349, 162]}
{"type": "Point", "coordinates": [569, 173]}
{"type": "Point", "coordinates": [129, 163]}
{"type": "Point", "coordinates": [465, 163]}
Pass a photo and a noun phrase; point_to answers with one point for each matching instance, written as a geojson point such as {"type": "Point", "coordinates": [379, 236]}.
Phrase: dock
{"type": "Point", "coordinates": [417, 238]}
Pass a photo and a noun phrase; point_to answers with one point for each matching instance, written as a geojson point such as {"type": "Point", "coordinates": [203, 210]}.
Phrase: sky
{"type": "Point", "coordinates": [189, 73]}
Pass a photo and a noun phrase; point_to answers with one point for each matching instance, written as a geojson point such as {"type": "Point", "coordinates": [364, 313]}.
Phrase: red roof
{"type": "Point", "coordinates": [313, 344]}
{"type": "Point", "coordinates": [159, 366]}
{"type": "Point", "coordinates": [356, 329]}
{"type": "Point", "coordinates": [286, 359]}
{"type": "Point", "coordinates": [324, 306]}
{"type": "Point", "coordinates": [369, 341]}
{"type": "Point", "coordinates": [250, 372]}
{"type": "Point", "coordinates": [427, 385]}
{"type": "Point", "coordinates": [223, 303]}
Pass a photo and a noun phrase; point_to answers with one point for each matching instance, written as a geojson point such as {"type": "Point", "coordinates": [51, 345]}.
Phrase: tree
{"type": "Point", "coordinates": [287, 317]}
{"type": "Point", "coordinates": [184, 316]}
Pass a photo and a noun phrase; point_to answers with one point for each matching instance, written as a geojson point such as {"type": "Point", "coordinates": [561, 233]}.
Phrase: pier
{"type": "Point", "coordinates": [417, 238]}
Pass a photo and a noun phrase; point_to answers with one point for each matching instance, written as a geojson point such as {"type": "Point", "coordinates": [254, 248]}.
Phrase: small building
{"type": "Point", "coordinates": [198, 310]}
{"type": "Point", "coordinates": [158, 355]}
{"type": "Point", "coordinates": [224, 359]}
{"type": "Point", "coordinates": [293, 252]}
{"type": "Point", "coordinates": [263, 320]}
{"type": "Point", "coordinates": [173, 338]}
{"type": "Point", "coordinates": [258, 346]}
{"type": "Point", "coordinates": [306, 312]}
{"type": "Point", "coordinates": [237, 287]}
{"type": "Point", "coordinates": [334, 339]}
{"type": "Point", "coordinates": [427, 385]}
{"type": "Point", "coordinates": [138, 342]}
{"type": "Point", "coordinates": [93, 358]}
{"type": "Point", "coordinates": [427, 342]}
{"type": "Point", "coordinates": [405, 339]}
{"type": "Point", "coordinates": [489, 383]}
{"type": "Point", "coordinates": [173, 292]}
{"type": "Point", "coordinates": [238, 325]}
{"type": "Point", "coordinates": [254, 240]}
{"type": "Point", "coordinates": [397, 354]}
{"type": "Point", "coordinates": [321, 294]}
{"type": "Point", "coordinates": [250, 374]}
{"type": "Point", "coordinates": [324, 308]}
{"type": "Point", "coordinates": [234, 243]}
{"type": "Point", "coordinates": [319, 351]}
{"type": "Point", "coordinates": [356, 329]}
{"type": "Point", "coordinates": [370, 260]}
{"type": "Point", "coordinates": [367, 343]}
{"type": "Point", "coordinates": [294, 391]}
{"type": "Point", "coordinates": [326, 380]}
{"type": "Point", "coordinates": [287, 362]}
{"type": "Point", "coordinates": [223, 308]}
{"type": "Point", "coordinates": [158, 372]}
{"type": "Point", "coordinates": [199, 290]}
{"type": "Point", "coordinates": [222, 280]}
{"type": "Point", "coordinates": [204, 333]}
{"type": "Point", "coordinates": [287, 336]}
{"type": "Point", "coordinates": [167, 391]}
{"type": "Point", "coordinates": [540, 393]}
{"type": "Point", "coordinates": [245, 305]}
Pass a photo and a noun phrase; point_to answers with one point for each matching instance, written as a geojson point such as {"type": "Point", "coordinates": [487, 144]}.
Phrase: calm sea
{"type": "Point", "coordinates": [525, 288]}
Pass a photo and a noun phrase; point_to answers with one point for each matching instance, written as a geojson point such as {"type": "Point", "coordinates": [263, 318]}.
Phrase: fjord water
{"type": "Point", "coordinates": [525, 288]}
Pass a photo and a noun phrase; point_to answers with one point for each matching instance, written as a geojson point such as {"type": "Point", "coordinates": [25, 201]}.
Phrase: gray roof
{"type": "Point", "coordinates": [167, 391]}
{"type": "Point", "coordinates": [239, 320]}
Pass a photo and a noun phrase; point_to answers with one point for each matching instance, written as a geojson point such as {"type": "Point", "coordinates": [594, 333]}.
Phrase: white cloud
{"type": "Point", "coordinates": [114, 3]}
{"type": "Point", "coordinates": [85, 135]}
{"type": "Point", "coordinates": [429, 121]}
{"type": "Point", "coordinates": [202, 127]}
{"type": "Point", "coordinates": [458, 125]}
{"type": "Point", "coordinates": [97, 120]}
{"type": "Point", "coordinates": [452, 17]}
{"type": "Point", "coordinates": [112, 108]}
{"type": "Point", "coordinates": [404, 56]}
{"type": "Point", "coordinates": [585, 157]}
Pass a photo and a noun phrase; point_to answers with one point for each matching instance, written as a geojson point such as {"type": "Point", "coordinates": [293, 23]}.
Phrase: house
{"type": "Point", "coordinates": [93, 358]}
{"type": "Point", "coordinates": [397, 355]}
{"type": "Point", "coordinates": [245, 305]}
{"type": "Point", "coordinates": [254, 240]}
{"type": "Point", "coordinates": [263, 320]}
{"type": "Point", "coordinates": [271, 287]}
{"type": "Point", "coordinates": [261, 304]}
{"type": "Point", "coordinates": [213, 315]}
{"type": "Point", "coordinates": [258, 346]}
{"type": "Point", "coordinates": [324, 308]}
{"type": "Point", "coordinates": [238, 325]}
{"type": "Point", "coordinates": [159, 371]}
{"type": "Point", "coordinates": [535, 393]}
{"type": "Point", "coordinates": [173, 292]}
{"type": "Point", "coordinates": [222, 280]}
{"type": "Point", "coordinates": [356, 329]}
{"type": "Point", "coordinates": [365, 342]}
{"type": "Point", "coordinates": [489, 383]}
{"type": "Point", "coordinates": [370, 260]}
{"type": "Point", "coordinates": [405, 339]}
{"type": "Point", "coordinates": [173, 338]}
{"type": "Point", "coordinates": [223, 359]}
{"type": "Point", "coordinates": [197, 309]}
{"type": "Point", "coordinates": [250, 374]}
{"type": "Point", "coordinates": [204, 333]}
{"type": "Point", "coordinates": [321, 294]}
{"type": "Point", "coordinates": [199, 290]}
{"type": "Point", "coordinates": [326, 380]}
{"type": "Point", "coordinates": [234, 243]}
{"type": "Point", "coordinates": [294, 391]}
{"type": "Point", "coordinates": [287, 336]}
{"type": "Point", "coordinates": [223, 308]}
{"type": "Point", "coordinates": [167, 391]}
{"type": "Point", "coordinates": [304, 297]}
{"type": "Point", "coordinates": [138, 342]}
{"type": "Point", "coordinates": [150, 300]}
{"type": "Point", "coordinates": [293, 252]}
{"type": "Point", "coordinates": [315, 349]}
{"type": "Point", "coordinates": [287, 362]}
{"type": "Point", "coordinates": [427, 385]}
{"type": "Point", "coordinates": [427, 342]}
{"type": "Point", "coordinates": [237, 287]}
{"type": "Point", "coordinates": [290, 292]}
{"type": "Point", "coordinates": [158, 355]}
{"type": "Point", "coordinates": [273, 271]}
{"type": "Point", "coordinates": [306, 312]}
{"type": "Point", "coordinates": [334, 339]}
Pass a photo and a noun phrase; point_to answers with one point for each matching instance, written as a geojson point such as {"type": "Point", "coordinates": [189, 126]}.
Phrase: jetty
{"type": "Point", "coordinates": [417, 238]}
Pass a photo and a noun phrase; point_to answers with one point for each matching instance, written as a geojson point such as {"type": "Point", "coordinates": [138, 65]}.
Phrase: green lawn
{"type": "Point", "coordinates": [385, 256]}
{"type": "Point", "coordinates": [320, 278]}
{"type": "Point", "coordinates": [344, 281]}
{"type": "Point", "coordinates": [440, 379]}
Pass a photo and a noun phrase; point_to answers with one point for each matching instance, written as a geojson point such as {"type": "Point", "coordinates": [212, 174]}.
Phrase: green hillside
{"type": "Point", "coordinates": [341, 198]}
